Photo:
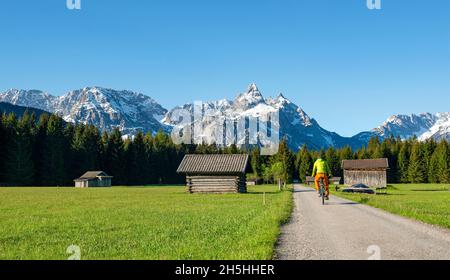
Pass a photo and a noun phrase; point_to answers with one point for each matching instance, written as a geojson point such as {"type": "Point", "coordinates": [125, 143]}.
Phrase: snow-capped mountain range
{"type": "Point", "coordinates": [105, 108]}
{"type": "Point", "coordinates": [423, 126]}
{"type": "Point", "coordinates": [131, 111]}
{"type": "Point", "coordinates": [295, 125]}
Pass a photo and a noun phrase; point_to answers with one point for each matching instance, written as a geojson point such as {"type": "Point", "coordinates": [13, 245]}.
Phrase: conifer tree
{"type": "Point", "coordinates": [403, 163]}
{"type": "Point", "coordinates": [440, 162]}
{"type": "Point", "coordinates": [433, 167]}
{"type": "Point", "coordinates": [417, 169]}
{"type": "Point", "coordinates": [92, 145]}
{"type": "Point", "coordinates": [114, 159]}
{"type": "Point", "coordinates": [298, 162]}
{"type": "Point", "coordinates": [54, 153]}
{"type": "Point", "coordinates": [256, 163]}
{"type": "Point", "coordinates": [333, 162]}
{"type": "Point", "coordinates": [3, 141]}
{"type": "Point", "coordinates": [129, 155]}
{"type": "Point", "coordinates": [39, 149]}
{"type": "Point", "coordinates": [394, 149]}
{"type": "Point", "coordinates": [363, 153]}
{"type": "Point", "coordinates": [78, 152]}
{"type": "Point", "coordinates": [372, 146]}
{"type": "Point", "coordinates": [19, 168]}
{"type": "Point", "coordinates": [139, 161]}
{"type": "Point", "coordinates": [444, 163]}
{"type": "Point", "coordinates": [346, 153]}
{"type": "Point", "coordinates": [428, 148]}
{"type": "Point", "coordinates": [306, 164]}
{"type": "Point", "coordinates": [381, 150]}
{"type": "Point", "coordinates": [286, 158]}
{"type": "Point", "coordinates": [151, 172]}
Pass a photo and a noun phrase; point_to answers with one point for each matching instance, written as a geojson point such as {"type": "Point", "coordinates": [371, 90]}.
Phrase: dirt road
{"type": "Point", "coordinates": [346, 230]}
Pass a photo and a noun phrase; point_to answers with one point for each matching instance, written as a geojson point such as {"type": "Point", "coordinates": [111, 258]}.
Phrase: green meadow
{"type": "Point", "coordinates": [429, 203]}
{"type": "Point", "coordinates": [162, 223]}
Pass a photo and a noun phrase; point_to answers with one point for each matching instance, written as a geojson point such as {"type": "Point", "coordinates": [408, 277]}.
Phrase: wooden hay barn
{"type": "Point", "coordinates": [216, 173]}
{"type": "Point", "coordinates": [92, 179]}
{"type": "Point", "coordinates": [311, 181]}
{"type": "Point", "coordinates": [370, 172]}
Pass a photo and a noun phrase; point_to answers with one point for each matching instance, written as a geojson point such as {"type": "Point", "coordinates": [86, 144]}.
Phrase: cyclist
{"type": "Point", "coordinates": [321, 170]}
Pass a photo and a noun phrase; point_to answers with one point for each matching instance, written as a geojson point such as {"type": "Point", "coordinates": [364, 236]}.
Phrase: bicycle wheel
{"type": "Point", "coordinates": [322, 191]}
{"type": "Point", "coordinates": [323, 198]}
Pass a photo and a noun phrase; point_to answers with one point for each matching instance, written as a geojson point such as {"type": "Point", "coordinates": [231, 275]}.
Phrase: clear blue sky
{"type": "Point", "coordinates": [345, 65]}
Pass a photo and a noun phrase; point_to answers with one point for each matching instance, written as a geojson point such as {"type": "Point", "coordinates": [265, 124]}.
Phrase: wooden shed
{"type": "Point", "coordinates": [92, 179]}
{"type": "Point", "coordinates": [370, 172]}
{"type": "Point", "coordinates": [216, 173]}
{"type": "Point", "coordinates": [310, 181]}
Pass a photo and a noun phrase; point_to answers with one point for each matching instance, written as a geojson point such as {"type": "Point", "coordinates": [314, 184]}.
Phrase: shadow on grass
{"type": "Point", "coordinates": [391, 187]}
{"type": "Point", "coordinates": [267, 193]}
{"type": "Point", "coordinates": [373, 195]}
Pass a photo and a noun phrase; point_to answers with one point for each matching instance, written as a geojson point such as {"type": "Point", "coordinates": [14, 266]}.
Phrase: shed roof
{"type": "Point", "coordinates": [93, 175]}
{"type": "Point", "coordinates": [214, 164]}
{"type": "Point", "coordinates": [361, 164]}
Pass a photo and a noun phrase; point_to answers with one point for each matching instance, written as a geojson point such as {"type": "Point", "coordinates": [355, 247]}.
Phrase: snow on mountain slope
{"type": "Point", "coordinates": [249, 99]}
{"type": "Point", "coordinates": [130, 111]}
{"type": "Point", "coordinates": [406, 126]}
{"type": "Point", "coordinates": [295, 125]}
{"type": "Point", "coordinates": [105, 108]}
{"type": "Point", "coordinates": [424, 126]}
{"type": "Point", "coordinates": [108, 109]}
{"type": "Point", "coordinates": [29, 98]}
{"type": "Point", "coordinates": [440, 130]}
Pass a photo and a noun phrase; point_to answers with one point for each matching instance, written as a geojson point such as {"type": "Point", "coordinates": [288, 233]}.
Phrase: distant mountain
{"type": "Point", "coordinates": [20, 110]}
{"type": "Point", "coordinates": [105, 108]}
{"type": "Point", "coordinates": [29, 98]}
{"type": "Point", "coordinates": [295, 125]}
{"type": "Point", "coordinates": [130, 111]}
{"type": "Point", "coordinates": [441, 128]}
{"type": "Point", "coordinates": [424, 126]}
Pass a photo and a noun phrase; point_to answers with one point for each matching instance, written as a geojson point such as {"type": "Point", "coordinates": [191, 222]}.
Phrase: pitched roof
{"type": "Point", "coordinates": [214, 164]}
{"type": "Point", "coordinates": [380, 163]}
{"type": "Point", "coordinates": [92, 175]}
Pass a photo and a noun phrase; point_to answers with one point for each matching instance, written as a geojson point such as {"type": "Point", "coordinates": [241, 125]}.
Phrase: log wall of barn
{"type": "Point", "coordinates": [371, 178]}
{"type": "Point", "coordinates": [216, 184]}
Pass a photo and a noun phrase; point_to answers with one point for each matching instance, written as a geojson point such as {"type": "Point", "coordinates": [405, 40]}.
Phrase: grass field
{"type": "Point", "coordinates": [140, 223]}
{"type": "Point", "coordinates": [429, 203]}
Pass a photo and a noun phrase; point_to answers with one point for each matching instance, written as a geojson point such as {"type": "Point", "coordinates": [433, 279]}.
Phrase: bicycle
{"type": "Point", "coordinates": [322, 191]}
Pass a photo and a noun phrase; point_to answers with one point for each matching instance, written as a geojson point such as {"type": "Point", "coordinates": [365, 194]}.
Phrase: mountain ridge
{"type": "Point", "coordinates": [131, 111]}
{"type": "Point", "coordinates": [106, 108]}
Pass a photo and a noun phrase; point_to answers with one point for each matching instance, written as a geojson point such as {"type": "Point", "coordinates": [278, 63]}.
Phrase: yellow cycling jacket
{"type": "Point", "coordinates": [321, 166]}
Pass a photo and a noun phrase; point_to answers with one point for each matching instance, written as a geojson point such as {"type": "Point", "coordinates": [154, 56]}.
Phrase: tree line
{"type": "Point", "coordinates": [51, 152]}
{"type": "Point", "coordinates": [410, 161]}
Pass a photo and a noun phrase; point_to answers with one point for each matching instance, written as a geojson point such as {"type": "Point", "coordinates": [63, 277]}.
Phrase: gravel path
{"type": "Point", "coordinates": [345, 230]}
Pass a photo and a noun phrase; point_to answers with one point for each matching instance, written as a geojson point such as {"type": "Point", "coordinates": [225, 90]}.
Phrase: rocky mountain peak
{"type": "Point", "coordinates": [250, 98]}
